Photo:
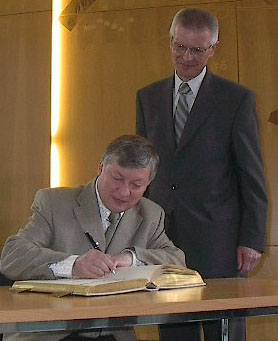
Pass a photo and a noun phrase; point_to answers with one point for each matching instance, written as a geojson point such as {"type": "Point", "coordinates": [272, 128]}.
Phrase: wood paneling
{"type": "Point", "coordinates": [260, 329]}
{"type": "Point", "coordinates": [258, 68]}
{"type": "Point", "coordinates": [150, 333]}
{"type": "Point", "coordinates": [108, 5]}
{"type": "Point", "coordinates": [24, 6]}
{"type": "Point", "coordinates": [267, 269]}
{"type": "Point", "coordinates": [25, 41]}
{"type": "Point", "coordinates": [256, 3]}
{"type": "Point", "coordinates": [106, 58]}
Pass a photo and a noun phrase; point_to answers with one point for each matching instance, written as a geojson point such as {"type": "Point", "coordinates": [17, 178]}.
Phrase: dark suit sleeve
{"type": "Point", "coordinates": [250, 172]}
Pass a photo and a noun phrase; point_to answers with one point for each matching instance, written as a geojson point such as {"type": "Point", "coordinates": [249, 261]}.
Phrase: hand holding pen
{"type": "Point", "coordinates": [95, 244]}
{"type": "Point", "coordinates": [94, 263]}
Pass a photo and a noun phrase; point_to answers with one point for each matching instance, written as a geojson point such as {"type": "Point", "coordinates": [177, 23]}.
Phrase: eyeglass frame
{"type": "Point", "coordinates": [193, 50]}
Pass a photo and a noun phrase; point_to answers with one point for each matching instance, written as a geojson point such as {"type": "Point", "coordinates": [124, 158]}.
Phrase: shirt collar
{"type": "Point", "coordinates": [104, 211]}
{"type": "Point", "coordinates": [194, 83]}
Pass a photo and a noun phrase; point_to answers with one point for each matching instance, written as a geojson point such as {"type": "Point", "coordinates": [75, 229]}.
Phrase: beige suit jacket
{"type": "Point", "coordinates": [56, 230]}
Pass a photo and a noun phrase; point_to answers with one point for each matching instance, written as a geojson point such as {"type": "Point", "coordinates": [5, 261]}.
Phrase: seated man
{"type": "Point", "coordinates": [54, 242]}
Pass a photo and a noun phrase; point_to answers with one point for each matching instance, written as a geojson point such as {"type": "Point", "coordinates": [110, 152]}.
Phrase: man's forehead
{"type": "Point", "coordinates": [192, 31]}
{"type": "Point", "coordinates": [136, 172]}
{"type": "Point", "coordinates": [126, 168]}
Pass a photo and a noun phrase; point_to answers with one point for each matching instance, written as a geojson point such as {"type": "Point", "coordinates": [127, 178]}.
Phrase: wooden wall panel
{"type": "Point", "coordinates": [265, 329]}
{"type": "Point", "coordinates": [101, 5]}
{"type": "Point", "coordinates": [106, 58]}
{"type": "Point", "coordinates": [24, 6]}
{"type": "Point", "coordinates": [258, 70]}
{"type": "Point", "coordinates": [25, 41]}
{"type": "Point", "coordinates": [108, 5]}
{"type": "Point", "coordinates": [258, 67]}
{"type": "Point", "coordinates": [256, 3]}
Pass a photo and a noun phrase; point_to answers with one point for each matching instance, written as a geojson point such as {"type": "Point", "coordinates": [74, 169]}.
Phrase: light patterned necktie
{"type": "Point", "coordinates": [113, 218]}
{"type": "Point", "coordinates": [182, 111]}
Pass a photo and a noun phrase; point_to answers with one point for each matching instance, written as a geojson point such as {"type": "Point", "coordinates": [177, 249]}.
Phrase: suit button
{"type": "Point", "coordinates": [174, 186]}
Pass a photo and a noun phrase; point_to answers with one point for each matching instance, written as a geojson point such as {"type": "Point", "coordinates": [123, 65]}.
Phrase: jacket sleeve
{"type": "Point", "coordinates": [159, 249]}
{"type": "Point", "coordinates": [27, 254]}
{"type": "Point", "coordinates": [250, 172]}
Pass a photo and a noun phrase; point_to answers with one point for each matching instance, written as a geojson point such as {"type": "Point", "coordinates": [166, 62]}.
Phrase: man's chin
{"type": "Point", "coordinates": [121, 206]}
{"type": "Point", "coordinates": [187, 73]}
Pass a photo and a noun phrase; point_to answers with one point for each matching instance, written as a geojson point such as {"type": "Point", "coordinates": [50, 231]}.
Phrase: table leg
{"type": "Point", "coordinates": [225, 329]}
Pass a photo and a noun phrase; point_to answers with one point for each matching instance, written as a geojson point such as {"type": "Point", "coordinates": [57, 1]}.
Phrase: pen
{"type": "Point", "coordinates": [95, 245]}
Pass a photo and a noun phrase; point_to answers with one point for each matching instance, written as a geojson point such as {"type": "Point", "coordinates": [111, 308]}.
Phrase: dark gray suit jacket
{"type": "Point", "coordinates": [56, 231]}
{"type": "Point", "coordinates": [212, 184]}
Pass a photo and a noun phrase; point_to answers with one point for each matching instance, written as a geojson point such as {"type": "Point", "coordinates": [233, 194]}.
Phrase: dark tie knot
{"type": "Point", "coordinates": [114, 217]}
{"type": "Point", "coordinates": [184, 88]}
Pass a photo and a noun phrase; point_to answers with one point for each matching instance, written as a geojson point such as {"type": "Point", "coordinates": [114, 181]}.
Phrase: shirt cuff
{"type": "Point", "coordinates": [135, 260]}
{"type": "Point", "coordinates": [64, 267]}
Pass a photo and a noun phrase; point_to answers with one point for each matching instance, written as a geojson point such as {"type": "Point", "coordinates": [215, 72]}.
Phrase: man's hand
{"type": "Point", "coordinates": [247, 259]}
{"type": "Point", "coordinates": [123, 259]}
{"type": "Point", "coordinates": [93, 264]}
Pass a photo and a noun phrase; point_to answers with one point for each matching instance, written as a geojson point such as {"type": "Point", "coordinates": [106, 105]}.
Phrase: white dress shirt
{"type": "Point", "coordinates": [194, 84]}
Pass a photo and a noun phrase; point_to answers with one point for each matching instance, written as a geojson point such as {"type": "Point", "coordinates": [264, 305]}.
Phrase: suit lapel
{"type": "Point", "coordinates": [203, 106]}
{"type": "Point", "coordinates": [87, 213]}
{"type": "Point", "coordinates": [163, 107]}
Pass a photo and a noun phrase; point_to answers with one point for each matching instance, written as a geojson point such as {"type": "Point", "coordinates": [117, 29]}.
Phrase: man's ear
{"type": "Point", "coordinates": [170, 42]}
{"type": "Point", "coordinates": [215, 46]}
{"type": "Point", "coordinates": [100, 168]}
{"type": "Point", "coordinates": [213, 49]}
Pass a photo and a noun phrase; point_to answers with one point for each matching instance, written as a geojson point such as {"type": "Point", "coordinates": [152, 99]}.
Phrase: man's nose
{"type": "Point", "coordinates": [187, 55]}
{"type": "Point", "coordinates": [124, 189]}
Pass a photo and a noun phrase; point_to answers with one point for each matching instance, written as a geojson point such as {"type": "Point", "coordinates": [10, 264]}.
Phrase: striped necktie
{"type": "Point", "coordinates": [113, 218]}
{"type": "Point", "coordinates": [181, 112]}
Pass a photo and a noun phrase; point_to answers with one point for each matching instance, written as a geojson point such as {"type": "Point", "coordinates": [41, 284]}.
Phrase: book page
{"type": "Point", "coordinates": [121, 274]}
{"type": "Point", "coordinates": [174, 276]}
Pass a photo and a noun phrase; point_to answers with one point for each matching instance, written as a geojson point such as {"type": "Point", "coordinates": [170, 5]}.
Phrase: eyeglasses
{"type": "Point", "coordinates": [194, 51]}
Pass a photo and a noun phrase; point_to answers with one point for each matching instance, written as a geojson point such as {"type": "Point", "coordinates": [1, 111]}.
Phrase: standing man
{"type": "Point", "coordinates": [128, 229]}
{"type": "Point", "coordinates": [211, 177]}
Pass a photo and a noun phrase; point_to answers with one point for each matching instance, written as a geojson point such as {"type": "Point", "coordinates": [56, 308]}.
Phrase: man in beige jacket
{"type": "Point", "coordinates": [54, 243]}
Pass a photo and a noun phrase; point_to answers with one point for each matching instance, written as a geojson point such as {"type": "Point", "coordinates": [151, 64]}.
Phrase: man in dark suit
{"type": "Point", "coordinates": [211, 177]}
{"type": "Point", "coordinates": [54, 243]}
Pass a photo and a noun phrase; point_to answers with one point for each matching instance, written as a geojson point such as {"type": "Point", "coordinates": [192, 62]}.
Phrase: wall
{"type": "Point", "coordinates": [258, 67]}
{"type": "Point", "coordinates": [25, 43]}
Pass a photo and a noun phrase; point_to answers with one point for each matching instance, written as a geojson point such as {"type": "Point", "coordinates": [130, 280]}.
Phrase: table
{"type": "Point", "coordinates": [221, 299]}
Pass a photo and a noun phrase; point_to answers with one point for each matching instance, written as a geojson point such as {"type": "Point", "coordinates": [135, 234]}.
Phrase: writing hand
{"type": "Point", "coordinates": [122, 260]}
{"type": "Point", "coordinates": [247, 259]}
{"type": "Point", "coordinates": [93, 264]}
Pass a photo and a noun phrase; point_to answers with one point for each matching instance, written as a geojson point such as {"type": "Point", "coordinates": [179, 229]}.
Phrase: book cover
{"type": "Point", "coordinates": [149, 277]}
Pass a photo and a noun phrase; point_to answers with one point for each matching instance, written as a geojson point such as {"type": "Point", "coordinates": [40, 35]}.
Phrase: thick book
{"type": "Point", "coordinates": [149, 277]}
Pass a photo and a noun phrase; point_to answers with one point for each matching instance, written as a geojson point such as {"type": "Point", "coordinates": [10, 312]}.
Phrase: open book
{"type": "Point", "coordinates": [149, 277]}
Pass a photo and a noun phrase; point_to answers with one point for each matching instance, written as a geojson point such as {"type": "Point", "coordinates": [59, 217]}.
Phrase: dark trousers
{"type": "Point", "coordinates": [76, 337]}
{"type": "Point", "coordinates": [212, 331]}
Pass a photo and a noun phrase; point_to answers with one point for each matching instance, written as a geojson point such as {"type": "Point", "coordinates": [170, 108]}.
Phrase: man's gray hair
{"type": "Point", "coordinates": [196, 19]}
{"type": "Point", "coordinates": [132, 151]}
